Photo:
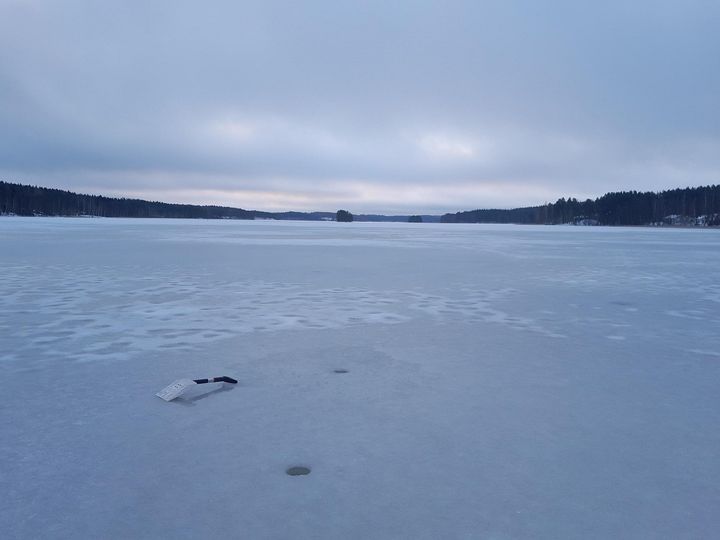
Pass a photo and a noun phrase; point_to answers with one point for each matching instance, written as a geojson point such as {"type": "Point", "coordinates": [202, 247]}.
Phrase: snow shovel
{"type": "Point", "coordinates": [175, 389]}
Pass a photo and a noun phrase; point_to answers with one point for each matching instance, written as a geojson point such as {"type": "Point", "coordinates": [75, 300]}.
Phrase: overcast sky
{"type": "Point", "coordinates": [375, 106]}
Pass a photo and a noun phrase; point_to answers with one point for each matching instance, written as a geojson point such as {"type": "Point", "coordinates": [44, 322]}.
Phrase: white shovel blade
{"type": "Point", "coordinates": [173, 390]}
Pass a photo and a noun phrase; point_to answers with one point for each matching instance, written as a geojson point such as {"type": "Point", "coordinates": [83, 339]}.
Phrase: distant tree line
{"type": "Point", "coordinates": [24, 200]}
{"type": "Point", "coordinates": [620, 208]}
{"type": "Point", "coordinates": [692, 206]}
{"type": "Point", "coordinates": [31, 200]}
{"type": "Point", "coordinates": [525, 215]}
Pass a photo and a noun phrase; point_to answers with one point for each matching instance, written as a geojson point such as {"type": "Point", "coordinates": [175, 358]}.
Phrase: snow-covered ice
{"type": "Point", "coordinates": [501, 381]}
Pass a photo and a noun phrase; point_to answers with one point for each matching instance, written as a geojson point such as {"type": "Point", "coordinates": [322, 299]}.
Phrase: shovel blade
{"type": "Point", "coordinates": [173, 390]}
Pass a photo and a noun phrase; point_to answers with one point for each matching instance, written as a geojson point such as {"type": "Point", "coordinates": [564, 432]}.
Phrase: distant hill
{"type": "Point", "coordinates": [24, 200]}
{"type": "Point", "coordinates": [698, 206]}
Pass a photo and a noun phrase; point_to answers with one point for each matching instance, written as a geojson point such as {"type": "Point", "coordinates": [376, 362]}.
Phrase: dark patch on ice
{"type": "Point", "coordinates": [298, 471]}
{"type": "Point", "coordinates": [340, 371]}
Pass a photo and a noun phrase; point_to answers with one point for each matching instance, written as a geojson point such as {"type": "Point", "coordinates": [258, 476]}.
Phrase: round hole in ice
{"type": "Point", "coordinates": [341, 371]}
{"type": "Point", "coordinates": [298, 471]}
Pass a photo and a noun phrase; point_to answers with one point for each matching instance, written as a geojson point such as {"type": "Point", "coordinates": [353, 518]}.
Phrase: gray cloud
{"type": "Point", "coordinates": [375, 106]}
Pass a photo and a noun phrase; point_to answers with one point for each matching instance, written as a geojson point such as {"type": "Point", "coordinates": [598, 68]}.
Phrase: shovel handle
{"type": "Point", "coordinates": [216, 379]}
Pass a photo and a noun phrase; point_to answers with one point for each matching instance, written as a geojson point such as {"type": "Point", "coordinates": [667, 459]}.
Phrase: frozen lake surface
{"type": "Point", "coordinates": [501, 381]}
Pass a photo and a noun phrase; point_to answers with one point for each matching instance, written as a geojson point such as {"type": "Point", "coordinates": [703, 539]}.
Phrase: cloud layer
{"type": "Point", "coordinates": [373, 106]}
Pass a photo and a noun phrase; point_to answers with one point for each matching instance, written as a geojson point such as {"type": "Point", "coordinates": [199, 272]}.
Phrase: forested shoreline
{"type": "Point", "coordinates": [699, 206]}
{"type": "Point", "coordinates": [24, 200]}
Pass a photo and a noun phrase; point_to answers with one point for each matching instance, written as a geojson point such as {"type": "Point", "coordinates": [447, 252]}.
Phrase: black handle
{"type": "Point", "coordinates": [216, 379]}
